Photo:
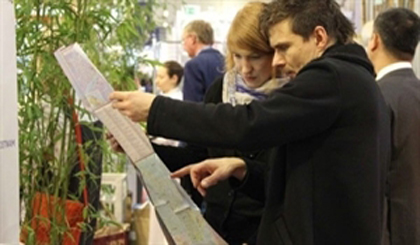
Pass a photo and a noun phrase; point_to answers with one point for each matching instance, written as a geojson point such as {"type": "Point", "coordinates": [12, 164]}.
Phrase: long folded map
{"type": "Point", "coordinates": [180, 218]}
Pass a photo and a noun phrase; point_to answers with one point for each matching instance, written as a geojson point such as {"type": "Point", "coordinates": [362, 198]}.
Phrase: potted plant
{"type": "Point", "coordinates": [57, 163]}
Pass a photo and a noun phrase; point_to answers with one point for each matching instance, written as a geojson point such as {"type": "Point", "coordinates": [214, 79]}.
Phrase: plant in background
{"type": "Point", "coordinates": [113, 34]}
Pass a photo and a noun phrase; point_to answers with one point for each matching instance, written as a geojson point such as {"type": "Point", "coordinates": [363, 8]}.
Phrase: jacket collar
{"type": "Point", "coordinates": [393, 67]}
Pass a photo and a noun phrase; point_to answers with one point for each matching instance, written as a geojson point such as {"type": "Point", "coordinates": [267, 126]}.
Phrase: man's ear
{"type": "Point", "coordinates": [321, 37]}
{"type": "Point", "coordinates": [374, 42]}
{"type": "Point", "coordinates": [194, 38]}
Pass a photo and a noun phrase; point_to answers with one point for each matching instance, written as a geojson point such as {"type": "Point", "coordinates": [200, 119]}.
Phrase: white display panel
{"type": "Point", "coordinates": [9, 162]}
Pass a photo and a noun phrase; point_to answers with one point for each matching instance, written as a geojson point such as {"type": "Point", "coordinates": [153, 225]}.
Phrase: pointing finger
{"type": "Point", "coordinates": [181, 172]}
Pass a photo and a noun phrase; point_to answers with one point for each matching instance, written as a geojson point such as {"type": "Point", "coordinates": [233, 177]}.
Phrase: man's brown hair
{"type": "Point", "coordinates": [305, 15]}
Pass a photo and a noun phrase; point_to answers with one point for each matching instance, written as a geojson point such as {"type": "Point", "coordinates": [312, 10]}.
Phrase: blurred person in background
{"type": "Point", "coordinates": [168, 78]}
{"type": "Point", "coordinates": [391, 49]}
{"type": "Point", "coordinates": [206, 63]}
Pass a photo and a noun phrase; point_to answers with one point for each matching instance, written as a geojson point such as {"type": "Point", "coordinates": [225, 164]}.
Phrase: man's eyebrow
{"type": "Point", "coordinates": [280, 44]}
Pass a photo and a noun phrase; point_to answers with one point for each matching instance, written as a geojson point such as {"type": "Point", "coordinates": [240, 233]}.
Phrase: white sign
{"type": "Point", "coordinates": [9, 162]}
{"type": "Point", "coordinates": [191, 10]}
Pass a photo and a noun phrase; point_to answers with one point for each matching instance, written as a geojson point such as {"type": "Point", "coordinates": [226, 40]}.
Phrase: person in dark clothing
{"type": "Point", "coordinates": [249, 76]}
{"type": "Point", "coordinates": [330, 126]}
{"type": "Point", "coordinates": [206, 63]}
{"type": "Point", "coordinates": [391, 49]}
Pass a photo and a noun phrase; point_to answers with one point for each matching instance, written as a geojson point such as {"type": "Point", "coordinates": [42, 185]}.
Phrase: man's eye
{"type": "Point", "coordinates": [282, 48]}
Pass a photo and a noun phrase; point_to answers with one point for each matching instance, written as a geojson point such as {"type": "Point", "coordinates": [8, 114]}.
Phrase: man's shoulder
{"type": "Point", "coordinates": [402, 79]}
{"type": "Point", "coordinates": [405, 73]}
{"type": "Point", "coordinates": [210, 52]}
{"type": "Point", "coordinates": [196, 60]}
{"type": "Point", "coordinates": [192, 63]}
{"type": "Point", "coordinates": [401, 89]}
{"type": "Point", "coordinates": [205, 57]}
{"type": "Point", "coordinates": [324, 65]}
{"type": "Point", "coordinates": [348, 65]}
{"type": "Point", "coordinates": [346, 56]}
{"type": "Point", "coordinates": [338, 70]}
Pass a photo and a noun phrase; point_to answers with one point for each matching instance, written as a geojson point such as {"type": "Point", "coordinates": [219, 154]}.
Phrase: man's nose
{"type": "Point", "coordinates": [278, 60]}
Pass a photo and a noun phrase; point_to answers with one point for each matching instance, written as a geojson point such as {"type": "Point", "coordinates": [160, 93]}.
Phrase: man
{"type": "Point", "coordinates": [206, 63]}
{"type": "Point", "coordinates": [391, 49]}
{"type": "Point", "coordinates": [329, 127]}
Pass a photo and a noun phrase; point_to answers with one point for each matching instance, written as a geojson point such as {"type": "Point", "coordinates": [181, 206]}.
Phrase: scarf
{"type": "Point", "coordinates": [236, 92]}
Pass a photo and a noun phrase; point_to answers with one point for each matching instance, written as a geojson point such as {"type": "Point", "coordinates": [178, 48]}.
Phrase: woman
{"type": "Point", "coordinates": [168, 78]}
{"type": "Point", "coordinates": [249, 76]}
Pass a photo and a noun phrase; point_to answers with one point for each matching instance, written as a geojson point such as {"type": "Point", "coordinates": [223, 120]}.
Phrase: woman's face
{"type": "Point", "coordinates": [255, 68]}
{"type": "Point", "coordinates": [163, 81]}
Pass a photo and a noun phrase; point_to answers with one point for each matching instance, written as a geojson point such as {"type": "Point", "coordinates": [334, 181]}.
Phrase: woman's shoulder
{"type": "Point", "coordinates": [214, 92]}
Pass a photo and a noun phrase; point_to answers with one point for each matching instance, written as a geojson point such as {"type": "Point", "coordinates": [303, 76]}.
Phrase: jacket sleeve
{"type": "Point", "coordinates": [306, 106]}
{"type": "Point", "coordinates": [178, 157]}
{"type": "Point", "coordinates": [253, 185]}
{"type": "Point", "coordinates": [193, 89]}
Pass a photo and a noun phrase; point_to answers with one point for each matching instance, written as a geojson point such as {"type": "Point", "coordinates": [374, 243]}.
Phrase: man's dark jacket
{"type": "Point", "coordinates": [332, 130]}
{"type": "Point", "coordinates": [401, 89]}
{"type": "Point", "coordinates": [200, 72]}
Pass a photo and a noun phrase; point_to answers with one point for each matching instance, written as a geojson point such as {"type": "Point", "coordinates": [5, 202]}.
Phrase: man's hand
{"type": "Point", "coordinates": [211, 171]}
{"type": "Point", "coordinates": [114, 143]}
{"type": "Point", "coordinates": [134, 105]}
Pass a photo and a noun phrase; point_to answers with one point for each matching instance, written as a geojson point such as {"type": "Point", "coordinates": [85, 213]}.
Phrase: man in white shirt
{"type": "Point", "coordinates": [391, 49]}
